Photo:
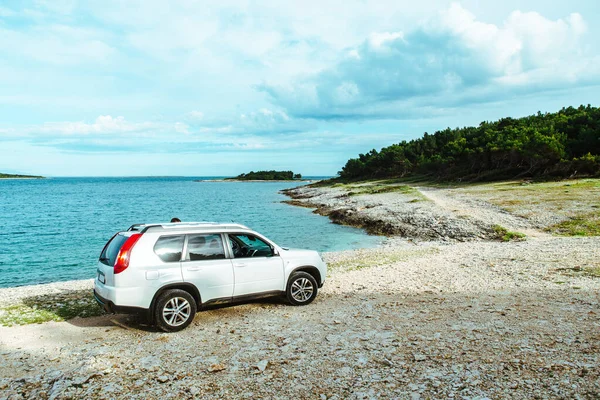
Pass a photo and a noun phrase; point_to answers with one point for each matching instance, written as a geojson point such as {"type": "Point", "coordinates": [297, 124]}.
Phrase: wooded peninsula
{"type": "Point", "coordinates": [561, 144]}
{"type": "Point", "coordinates": [13, 176]}
{"type": "Point", "coordinates": [267, 176]}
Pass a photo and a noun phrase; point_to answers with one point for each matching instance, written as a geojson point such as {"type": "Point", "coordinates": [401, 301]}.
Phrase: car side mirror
{"type": "Point", "coordinates": [275, 252]}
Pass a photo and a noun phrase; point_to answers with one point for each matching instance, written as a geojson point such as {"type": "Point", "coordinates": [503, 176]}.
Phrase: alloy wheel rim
{"type": "Point", "coordinates": [177, 311]}
{"type": "Point", "coordinates": [302, 289]}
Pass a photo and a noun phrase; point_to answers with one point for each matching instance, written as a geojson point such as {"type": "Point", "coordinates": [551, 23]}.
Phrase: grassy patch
{"type": "Point", "coordinates": [593, 272]}
{"type": "Point", "coordinates": [53, 307]}
{"type": "Point", "coordinates": [368, 260]}
{"type": "Point", "coordinates": [581, 225]}
{"type": "Point", "coordinates": [530, 199]}
{"type": "Point", "coordinates": [506, 236]}
{"type": "Point", "coordinates": [20, 314]}
{"type": "Point", "coordinates": [379, 188]}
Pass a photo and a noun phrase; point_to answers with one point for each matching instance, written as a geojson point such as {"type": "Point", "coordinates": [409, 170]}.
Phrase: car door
{"type": "Point", "coordinates": [255, 266]}
{"type": "Point", "coordinates": [206, 266]}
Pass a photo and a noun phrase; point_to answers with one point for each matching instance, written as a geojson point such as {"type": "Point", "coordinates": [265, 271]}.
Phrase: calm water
{"type": "Point", "coordinates": [54, 229]}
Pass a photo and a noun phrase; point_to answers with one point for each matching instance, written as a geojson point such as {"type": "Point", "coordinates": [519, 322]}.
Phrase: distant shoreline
{"type": "Point", "coordinates": [19, 176]}
{"type": "Point", "coordinates": [254, 180]}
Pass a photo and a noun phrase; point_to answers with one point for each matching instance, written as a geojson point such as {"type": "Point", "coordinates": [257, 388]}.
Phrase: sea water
{"type": "Point", "coordinates": [54, 229]}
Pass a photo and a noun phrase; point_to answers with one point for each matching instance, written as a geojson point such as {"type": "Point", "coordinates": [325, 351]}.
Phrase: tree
{"type": "Point", "coordinates": [544, 143]}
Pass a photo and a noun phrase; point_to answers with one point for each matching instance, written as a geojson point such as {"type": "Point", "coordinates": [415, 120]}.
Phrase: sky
{"type": "Point", "coordinates": [217, 88]}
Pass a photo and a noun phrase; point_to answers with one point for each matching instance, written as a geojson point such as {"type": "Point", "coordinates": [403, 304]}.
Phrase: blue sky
{"type": "Point", "coordinates": [148, 87]}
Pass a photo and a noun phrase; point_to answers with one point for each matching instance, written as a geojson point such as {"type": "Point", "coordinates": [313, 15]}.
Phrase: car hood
{"type": "Point", "coordinates": [300, 253]}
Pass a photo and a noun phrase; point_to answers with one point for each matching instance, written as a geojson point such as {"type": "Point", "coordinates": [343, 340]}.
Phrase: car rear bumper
{"type": "Point", "coordinates": [112, 308]}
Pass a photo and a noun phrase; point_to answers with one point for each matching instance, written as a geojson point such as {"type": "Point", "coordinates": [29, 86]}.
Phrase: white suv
{"type": "Point", "coordinates": [169, 271]}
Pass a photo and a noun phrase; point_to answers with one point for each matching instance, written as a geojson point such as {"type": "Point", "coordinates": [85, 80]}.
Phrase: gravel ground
{"type": "Point", "coordinates": [465, 320]}
{"type": "Point", "coordinates": [412, 319]}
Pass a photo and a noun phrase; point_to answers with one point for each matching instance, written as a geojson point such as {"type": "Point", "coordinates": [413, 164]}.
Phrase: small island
{"type": "Point", "coordinates": [13, 176]}
{"type": "Point", "coordinates": [267, 176]}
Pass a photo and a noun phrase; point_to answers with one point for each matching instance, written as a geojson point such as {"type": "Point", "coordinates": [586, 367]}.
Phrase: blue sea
{"type": "Point", "coordinates": [54, 229]}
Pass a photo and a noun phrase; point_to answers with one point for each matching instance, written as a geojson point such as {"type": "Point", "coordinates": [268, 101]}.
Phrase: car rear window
{"type": "Point", "coordinates": [169, 248]}
{"type": "Point", "coordinates": [111, 250]}
{"type": "Point", "coordinates": [205, 247]}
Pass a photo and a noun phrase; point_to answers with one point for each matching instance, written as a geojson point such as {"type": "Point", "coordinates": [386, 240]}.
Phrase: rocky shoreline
{"type": "Point", "coordinates": [377, 216]}
{"type": "Point", "coordinates": [413, 213]}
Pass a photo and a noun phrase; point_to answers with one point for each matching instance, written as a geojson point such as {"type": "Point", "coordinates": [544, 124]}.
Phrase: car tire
{"type": "Point", "coordinates": [301, 288]}
{"type": "Point", "coordinates": [175, 310]}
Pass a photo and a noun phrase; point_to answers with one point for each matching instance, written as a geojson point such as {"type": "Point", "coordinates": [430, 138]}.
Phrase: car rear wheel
{"type": "Point", "coordinates": [175, 310]}
{"type": "Point", "coordinates": [301, 288]}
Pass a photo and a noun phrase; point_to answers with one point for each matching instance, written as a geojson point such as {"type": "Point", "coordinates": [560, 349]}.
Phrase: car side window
{"type": "Point", "coordinates": [205, 247]}
{"type": "Point", "coordinates": [169, 248]}
{"type": "Point", "coordinates": [245, 246]}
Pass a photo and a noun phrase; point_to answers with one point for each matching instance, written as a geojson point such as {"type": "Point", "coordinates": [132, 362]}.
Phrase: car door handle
{"type": "Point", "coordinates": [240, 264]}
{"type": "Point", "coordinates": [194, 269]}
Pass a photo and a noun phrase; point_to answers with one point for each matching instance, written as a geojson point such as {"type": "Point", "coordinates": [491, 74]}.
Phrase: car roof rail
{"type": "Point", "coordinates": [174, 225]}
{"type": "Point", "coordinates": [135, 227]}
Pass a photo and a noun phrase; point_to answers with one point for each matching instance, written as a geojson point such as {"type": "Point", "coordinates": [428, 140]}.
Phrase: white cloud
{"type": "Point", "coordinates": [256, 130]}
{"type": "Point", "coordinates": [451, 59]}
{"type": "Point", "coordinates": [57, 44]}
{"type": "Point", "coordinates": [377, 40]}
{"type": "Point", "coordinates": [196, 115]}
{"type": "Point", "coordinates": [265, 118]}
{"type": "Point", "coordinates": [104, 124]}
{"type": "Point", "coordinates": [262, 122]}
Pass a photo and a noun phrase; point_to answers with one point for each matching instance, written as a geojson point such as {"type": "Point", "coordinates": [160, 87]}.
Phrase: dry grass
{"type": "Point", "coordinates": [379, 187]}
{"type": "Point", "coordinates": [575, 202]}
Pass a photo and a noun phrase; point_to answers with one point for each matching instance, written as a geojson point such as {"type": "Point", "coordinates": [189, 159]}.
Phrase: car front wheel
{"type": "Point", "coordinates": [301, 288]}
{"type": "Point", "coordinates": [175, 310]}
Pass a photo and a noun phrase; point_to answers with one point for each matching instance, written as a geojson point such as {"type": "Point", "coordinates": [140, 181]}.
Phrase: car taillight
{"type": "Point", "coordinates": [122, 261]}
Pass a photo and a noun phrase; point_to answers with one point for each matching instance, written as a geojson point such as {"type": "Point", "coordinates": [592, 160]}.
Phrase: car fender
{"type": "Point", "coordinates": [188, 287]}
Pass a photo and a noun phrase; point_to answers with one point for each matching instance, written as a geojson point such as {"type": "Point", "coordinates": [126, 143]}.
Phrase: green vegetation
{"type": "Point", "coordinates": [55, 307]}
{"type": "Point", "coordinates": [9, 176]}
{"type": "Point", "coordinates": [376, 189]}
{"type": "Point", "coordinates": [592, 271]}
{"type": "Point", "coordinates": [267, 176]}
{"type": "Point", "coordinates": [506, 236]}
{"type": "Point", "coordinates": [382, 187]}
{"type": "Point", "coordinates": [580, 225]}
{"type": "Point", "coordinates": [559, 144]}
